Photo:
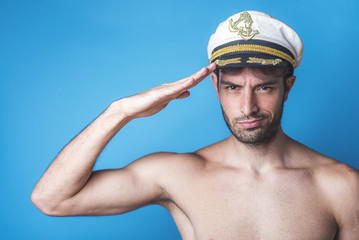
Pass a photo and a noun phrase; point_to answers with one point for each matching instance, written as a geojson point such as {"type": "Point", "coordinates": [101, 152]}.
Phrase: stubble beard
{"type": "Point", "coordinates": [258, 136]}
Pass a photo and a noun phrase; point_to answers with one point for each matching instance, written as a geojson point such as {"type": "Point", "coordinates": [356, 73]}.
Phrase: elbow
{"type": "Point", "coordinates": [45, 205]}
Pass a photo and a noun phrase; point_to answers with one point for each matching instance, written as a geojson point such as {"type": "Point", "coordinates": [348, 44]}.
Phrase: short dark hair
{"type": "Point", "coordinates": [284, 72]}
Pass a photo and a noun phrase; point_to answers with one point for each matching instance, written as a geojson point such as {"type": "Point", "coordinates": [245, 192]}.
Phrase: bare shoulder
{"type": "Point", "coordinates": [172, 162]}
{"type": "Point", "coordinates": [163, 167]}
{"type": "Point", "coordinates": [166, 162]}
{"type": "Point", "coordinates": [214, 152]}
{"type": "Point", "coordinates": [335, 176]}
{"type": "Point", "coordinates": [339, 184]}
{"type": "Point", "coordinates": [327, 171]}
{"type": "Point", "coordinates": [338, 187]}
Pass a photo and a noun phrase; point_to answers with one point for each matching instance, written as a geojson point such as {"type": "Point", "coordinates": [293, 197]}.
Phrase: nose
{"type": "Point", "coordinates": [248, 103]}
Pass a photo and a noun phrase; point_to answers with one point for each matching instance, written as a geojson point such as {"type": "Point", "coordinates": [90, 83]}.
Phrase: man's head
{"type": "Point", "coordinates": [256, 55]}
{"type": "Point", "coordinates": [252, 101]}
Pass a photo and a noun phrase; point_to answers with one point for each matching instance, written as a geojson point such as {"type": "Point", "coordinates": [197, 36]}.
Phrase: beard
{"type": "Point", "coordinates": [257, 136]}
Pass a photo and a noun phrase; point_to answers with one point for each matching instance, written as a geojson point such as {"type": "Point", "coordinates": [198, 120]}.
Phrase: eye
{"type": "Point", "coordinates": [232, 87]}
{"type": "Point", "coordinates": [265, 88]}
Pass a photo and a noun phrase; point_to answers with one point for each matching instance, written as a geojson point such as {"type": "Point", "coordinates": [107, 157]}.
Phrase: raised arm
{"type": "Point", "coordinates": [70, 187]}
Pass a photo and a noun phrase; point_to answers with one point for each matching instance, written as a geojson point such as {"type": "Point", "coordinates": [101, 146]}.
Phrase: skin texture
{"type": "Point", "coordinates": [278, 189]}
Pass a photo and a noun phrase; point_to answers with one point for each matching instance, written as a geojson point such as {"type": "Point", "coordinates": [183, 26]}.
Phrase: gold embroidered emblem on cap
{"type": "Point", "coordinates": [245, 31]}
{"type": "Point", "coordinates": [220, 62]}
{"type": "Point", "coordinates": [264, 61]}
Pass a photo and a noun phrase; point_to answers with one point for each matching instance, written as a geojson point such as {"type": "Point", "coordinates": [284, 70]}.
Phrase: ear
{"type": "Point", "coordinates": [214, 81]}
{"type": "Point", "coordinates": [289, 84]}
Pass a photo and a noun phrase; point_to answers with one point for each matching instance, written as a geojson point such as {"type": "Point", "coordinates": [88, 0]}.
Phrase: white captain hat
{"type": "Point", "coordinates": [254, 39]}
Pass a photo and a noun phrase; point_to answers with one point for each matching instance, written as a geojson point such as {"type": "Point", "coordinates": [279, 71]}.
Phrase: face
{"type": "Point", "coordinates": [252, 104]}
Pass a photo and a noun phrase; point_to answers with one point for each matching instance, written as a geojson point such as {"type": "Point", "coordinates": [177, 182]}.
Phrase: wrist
{"type": "Point", "coordinates": [118, 110]}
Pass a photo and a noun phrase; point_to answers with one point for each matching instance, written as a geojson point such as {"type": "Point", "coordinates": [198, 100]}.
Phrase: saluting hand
{"type": "Point", "coordinates": [154, 100]}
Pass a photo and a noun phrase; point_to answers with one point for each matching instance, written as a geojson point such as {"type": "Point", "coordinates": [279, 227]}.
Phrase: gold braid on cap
{"type": "Point", "coordinates": [253, 48]}
{"type": "Point", "coordinates": [228, 61]}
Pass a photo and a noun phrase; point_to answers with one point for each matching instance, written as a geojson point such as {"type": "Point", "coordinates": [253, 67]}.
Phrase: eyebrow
{"type": "Point", "coordinates": [258, 85]}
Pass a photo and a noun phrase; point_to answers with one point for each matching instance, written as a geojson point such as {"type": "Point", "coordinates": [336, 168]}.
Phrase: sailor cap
{"type": "Point", "coordinates": [254, 39]}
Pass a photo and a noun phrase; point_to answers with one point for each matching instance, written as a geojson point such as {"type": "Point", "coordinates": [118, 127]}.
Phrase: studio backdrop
{"type": "Point", "coordinates": [63, 62]}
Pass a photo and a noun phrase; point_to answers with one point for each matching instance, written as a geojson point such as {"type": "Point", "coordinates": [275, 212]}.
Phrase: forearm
{"type": "Point", "coordinates": [73, 166]}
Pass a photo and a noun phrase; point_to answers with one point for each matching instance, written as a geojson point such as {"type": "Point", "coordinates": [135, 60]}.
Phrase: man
{"type": "Point", "coordinates": [256, 184]}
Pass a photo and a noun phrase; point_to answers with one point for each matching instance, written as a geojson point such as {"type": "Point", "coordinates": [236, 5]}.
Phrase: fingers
{"type": "Point", "coordinates": [204, 72]}
{"type": "Point", "coordinates": [197, 77]}
{"type": "Point", "coordinates": [179, 89]}
{"type": "Point", "coordinates": [154, 100]}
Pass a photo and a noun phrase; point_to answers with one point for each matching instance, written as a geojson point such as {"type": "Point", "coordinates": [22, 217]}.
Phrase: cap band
{"type": "Point", "coordinates": [252, 48]}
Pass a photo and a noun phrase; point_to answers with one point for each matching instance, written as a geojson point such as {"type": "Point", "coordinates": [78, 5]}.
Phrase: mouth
{"type": "Point", "coordinates": [251, 124]}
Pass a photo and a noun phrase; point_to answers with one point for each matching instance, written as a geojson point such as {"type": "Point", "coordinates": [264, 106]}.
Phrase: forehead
{"type": "Point", "coordinates": [246, 74]}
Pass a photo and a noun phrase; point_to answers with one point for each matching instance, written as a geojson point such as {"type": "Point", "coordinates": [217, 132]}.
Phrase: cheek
{"type": "Point", "coordinates": [231, 108]}
{"type": "Point", "coordinates": [229, 102]}
{"type": "Point", "coordinates": [267, 103]}
{"type": "Point", "coordinates": [270, 104]}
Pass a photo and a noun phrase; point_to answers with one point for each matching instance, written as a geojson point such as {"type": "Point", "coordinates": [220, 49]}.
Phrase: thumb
{"type": "Point", "coordinates": [183, 95]}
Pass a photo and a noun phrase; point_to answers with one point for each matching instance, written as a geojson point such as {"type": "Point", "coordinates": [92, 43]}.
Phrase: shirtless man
{"type": "Point", "coordinates": [256, 184]}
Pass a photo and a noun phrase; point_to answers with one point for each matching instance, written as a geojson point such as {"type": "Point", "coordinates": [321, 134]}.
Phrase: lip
{"type": "Point", "coordinates": [250, 124]}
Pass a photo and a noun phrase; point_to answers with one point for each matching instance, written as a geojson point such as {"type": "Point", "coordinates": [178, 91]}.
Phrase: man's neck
{"type": "Point", "coordinates": [259, 158]}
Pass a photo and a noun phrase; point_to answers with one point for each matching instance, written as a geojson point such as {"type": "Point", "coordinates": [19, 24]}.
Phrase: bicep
{"type": "Point", "coordinates": [116, 191]}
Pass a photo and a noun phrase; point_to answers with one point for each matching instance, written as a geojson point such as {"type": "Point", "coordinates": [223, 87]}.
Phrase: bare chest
{"type": "Point", "coordinates": [231, 206]}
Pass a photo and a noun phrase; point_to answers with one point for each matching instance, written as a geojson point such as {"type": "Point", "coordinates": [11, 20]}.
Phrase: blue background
{"type": "Point", "coordinates": [63, 62]}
